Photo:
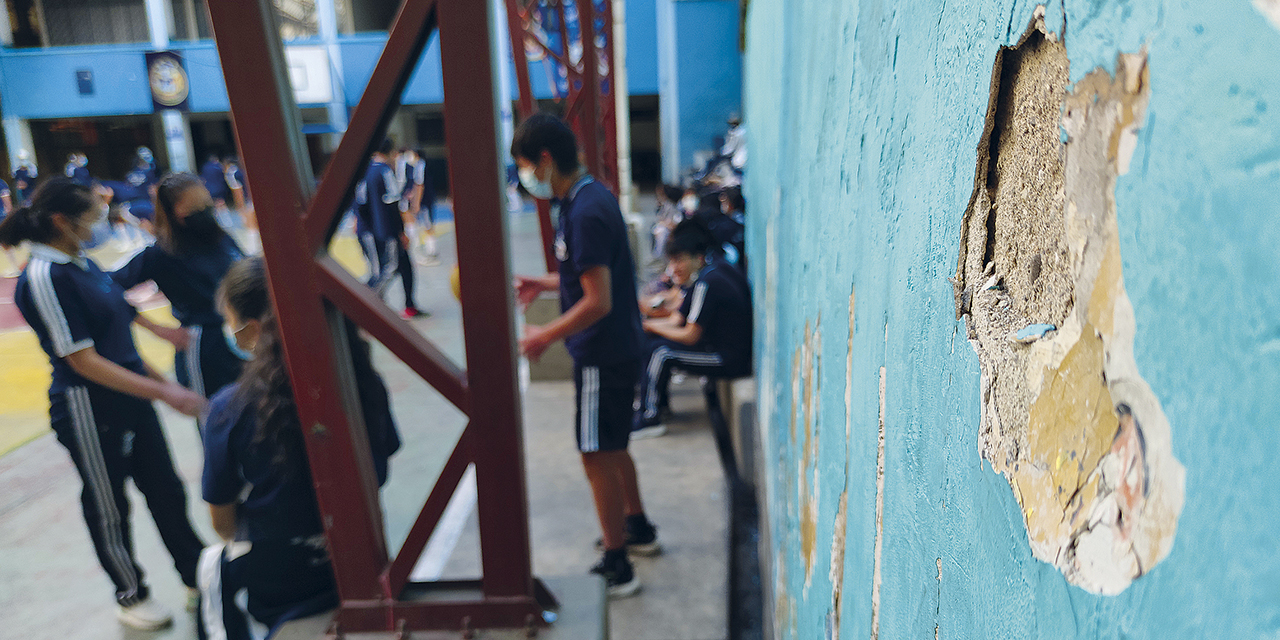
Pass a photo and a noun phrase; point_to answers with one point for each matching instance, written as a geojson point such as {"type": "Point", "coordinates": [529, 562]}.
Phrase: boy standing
{"type": "Point", "coordinates": [600, 324]}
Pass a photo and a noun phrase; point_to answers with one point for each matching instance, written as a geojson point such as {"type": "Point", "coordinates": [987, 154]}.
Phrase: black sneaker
{"type": "Point", "coordinates": [619, 577]}
{"type": "Point", "coordinates": [641, 537]}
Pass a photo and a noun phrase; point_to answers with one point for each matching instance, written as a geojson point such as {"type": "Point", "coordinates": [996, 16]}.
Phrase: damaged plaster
{"type": "Point", "coordinates": [1066, 416]}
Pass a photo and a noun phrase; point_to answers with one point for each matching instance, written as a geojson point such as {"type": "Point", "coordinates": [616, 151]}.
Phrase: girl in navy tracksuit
{"type": "Point", "coordinates": [274, 565]}
{"type": "Point", "coordinates": [101, 393]}
{"type": "Point", "coordinates": [190, 257]}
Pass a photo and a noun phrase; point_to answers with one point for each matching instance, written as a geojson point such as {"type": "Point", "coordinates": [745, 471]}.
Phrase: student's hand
{"type": "Point", "coordinates": [527, 290]}
{"type": "Point", "coordinates": [404, 241]}
{"type": "Point", "coordinates": [183, 400]}
{"type": "Point", "coordinates": [534, 343]}
{"type": "Point", "coordinates": [177, 336]}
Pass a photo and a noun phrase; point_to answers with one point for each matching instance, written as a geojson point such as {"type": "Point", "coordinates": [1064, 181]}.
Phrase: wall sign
{"type": "Point", "coordinates": [170, 86]}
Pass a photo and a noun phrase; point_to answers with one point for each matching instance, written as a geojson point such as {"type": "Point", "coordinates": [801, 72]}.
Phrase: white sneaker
{"type": "Point", "coordinates": [654, 431]}
{"type": "Point", "coordinates": [147, 615]}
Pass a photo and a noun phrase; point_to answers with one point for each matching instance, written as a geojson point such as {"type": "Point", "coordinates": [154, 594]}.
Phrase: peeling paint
{"type": "Point", "coordinates": [805, 394]}
{"type": "Point", "coordinates": [1066, 418]}
{"type": "Point", "coordinates": [875, 575]}
{"type": "Point", "coordinates": [837, 566]}
{"type": "Point", "coordinates": [1270, 9]}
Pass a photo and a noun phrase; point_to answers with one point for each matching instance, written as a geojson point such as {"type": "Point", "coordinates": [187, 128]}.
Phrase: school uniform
{"type": "Point", "coordinates": [72, 305]}
{"type": "Point", "coordinates": [380, 228]}
{"type": "Point", "coordinates": [215, 180]}
{"type": "Point", "coordinates": [277, 568]}
{"type": "Point", "coordinates": [24, 182]}
{"type": "Point", "coordinates": [138, 196]}
{"type": "Point", "coordinates": [78, 174]}
{"type": "Point", "coordinates": [190, 282]}
{"type": "Point", "coordinates": [606, 355]}
{"type": "Point", "coordinates": [720, 303]}
{"type": "Point", "coordinates": [4, 191]}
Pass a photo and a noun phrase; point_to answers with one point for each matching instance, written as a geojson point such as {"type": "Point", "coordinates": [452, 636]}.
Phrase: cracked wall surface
{"type": "Point", "coordinates": [881, 514]}
{"type": "Point", "coordinates": [1066, 416]}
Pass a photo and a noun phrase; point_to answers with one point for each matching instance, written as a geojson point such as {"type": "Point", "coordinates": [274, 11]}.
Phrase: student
{"type": "Point", "coordinates": [710, 336]}
{"type": "Point", "coordinates": [243, 201]}
{"type": "Point", "coordinates": [381, 228]}
{"type": "Point", "coordinates": [24, 178]}
{"type": "Point", "coordinates": [191, 255]}
{"type": "Point", "coordinates": [77, 169]}
{"type": "Point", "coordinates": [101, 394]}
{"type": "Point", "coordinates": [215, 180]}
{"type": "Point", "coordinates": [600, 325]}
{"type": "Point", "coordinates": [418, 205]}
{"type": "Point", "coordinates": [6, 201]}
{"type": "Point", "coordinates": [257, 479]}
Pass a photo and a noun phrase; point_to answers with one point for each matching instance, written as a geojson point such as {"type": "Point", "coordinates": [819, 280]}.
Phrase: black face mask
{"type": "Point", "coordinates": [202, 223]}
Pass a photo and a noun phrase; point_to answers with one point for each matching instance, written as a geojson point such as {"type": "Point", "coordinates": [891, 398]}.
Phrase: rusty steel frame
{"type": "Point", "coordinates": [312, 295]}
{"type": "Point", "coordinates": [589, 106]}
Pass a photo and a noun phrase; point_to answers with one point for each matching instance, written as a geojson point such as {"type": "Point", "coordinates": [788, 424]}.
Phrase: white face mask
{"type": "Point", "coordinates": [689, 203]}
{"type": "Point", "coordinates": [540, 189]}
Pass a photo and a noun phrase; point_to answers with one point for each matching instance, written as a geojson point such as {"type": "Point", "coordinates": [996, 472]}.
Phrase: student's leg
{"type": "Point", "coordinates": [369, 247]}
{"type": "Point", "coordinates": [630, 485]}
{"type": "Point", "coordinates": [388, 263]}
{"type": "Point", "coordinates": [603, 474]}
{"type": "Point", "coordinates": [155, 477]}
{"type": "Point", "coordinates": [405, 267]}
{"type": "Point", "coordinates": [97, 456]}
{"type": "Point", "coordinates": [663, 356]}
{"type": "Point", "coordinates": [221, 580]}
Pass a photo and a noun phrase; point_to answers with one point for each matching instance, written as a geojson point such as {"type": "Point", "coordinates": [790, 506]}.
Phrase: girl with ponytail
{"type": "Point", "coordinates": [257, 480]}
{"type": "Point", "coordinates": [101, 393]}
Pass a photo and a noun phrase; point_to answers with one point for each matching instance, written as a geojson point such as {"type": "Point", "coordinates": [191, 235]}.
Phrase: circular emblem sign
{"type": "Point", "coordinates": [169, 83]}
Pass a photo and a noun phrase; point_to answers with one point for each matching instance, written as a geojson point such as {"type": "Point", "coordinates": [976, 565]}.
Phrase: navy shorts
{"type": "Point", "coordinates": [605, 399]}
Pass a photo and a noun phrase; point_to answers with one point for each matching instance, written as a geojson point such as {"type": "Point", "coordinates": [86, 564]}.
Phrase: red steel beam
{"type": "Point", "coordinates": [529, 106]}
{"type": "Point", "coordinates": [268, 128]}
{"type": "Point", "coordinates": [484, 262]}
{"type": "Point", "coordinates": [368, 125]}
{"type": "Point", "coordinates": [589, 117]}
{"type": "Point", "coordinates": [364, 308]}
{"type": "Point", "coordinates": [397, 575]}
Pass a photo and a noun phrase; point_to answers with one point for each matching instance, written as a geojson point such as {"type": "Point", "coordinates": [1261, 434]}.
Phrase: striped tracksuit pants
{"type": "Point", "coordinates": [665, 355]}
{"type": "Point", "coordinates": [112, 437]}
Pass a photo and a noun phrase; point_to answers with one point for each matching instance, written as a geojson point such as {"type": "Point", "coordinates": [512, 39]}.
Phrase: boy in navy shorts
{"type": "Point", "coordinates": [600, 324]}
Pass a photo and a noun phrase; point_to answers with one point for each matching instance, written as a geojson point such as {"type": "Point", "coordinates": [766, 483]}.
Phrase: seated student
{"type": "Point", "coordinates": [257, 480]}
{"type": "Point", "coordinates": [709, 336]}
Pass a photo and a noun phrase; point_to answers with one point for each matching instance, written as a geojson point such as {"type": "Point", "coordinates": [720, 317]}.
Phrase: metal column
{"type": "Point", "coordinates": [312, 295]}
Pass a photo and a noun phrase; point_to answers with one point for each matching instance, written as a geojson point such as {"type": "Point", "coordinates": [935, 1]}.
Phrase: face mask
{"type": "Point", "coordinates": [230, 335]}
{"type": "Point", "coordinates": [99, 230]}
{"type": "Point", "coordinates": [540, 189]}
{"type": "Point", "coordinates": [201, 223]}
{"type": "Point", "coordinates": [145, 154]}
{"type": "Point", "coordinates": [689, 203]}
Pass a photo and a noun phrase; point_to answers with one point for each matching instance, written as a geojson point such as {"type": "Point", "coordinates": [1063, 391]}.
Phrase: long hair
{"type": "Point", "coordinates": [264, 381]}
{"type": "Point", "coordinates": [34, 222]}
{"type": "Point", "coordinates": [173, 237]}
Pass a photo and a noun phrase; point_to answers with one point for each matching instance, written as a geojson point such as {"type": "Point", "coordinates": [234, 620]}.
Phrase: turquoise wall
{"type": "Point", "coordinates": [864, 117]}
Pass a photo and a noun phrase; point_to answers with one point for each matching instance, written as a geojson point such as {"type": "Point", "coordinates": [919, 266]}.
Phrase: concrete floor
{"type": "Point", "coordinates": [52, 587]}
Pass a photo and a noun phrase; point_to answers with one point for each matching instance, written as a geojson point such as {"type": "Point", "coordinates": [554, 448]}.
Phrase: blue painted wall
{"type": "Point", "coordinates": [864, 118]}
{"type": "Point", "coordinates": [40, 83]}
{"type": "Point", "coordinates": [700, 70]}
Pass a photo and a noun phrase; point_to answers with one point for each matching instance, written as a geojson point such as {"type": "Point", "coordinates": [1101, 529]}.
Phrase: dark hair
{"type": "Point", "coordinates": [386, 147]}
{"type": "Point", "coordinates": [673, 193]}
{"type": "Point", "coordinates": [545, 132]}
{"type": "Point", "coordinates": [34, 223]}
{"type": "Point", "coordinates": [173, 237]}
{"type": "Point", "coordinates": [734, 196]}
{"type": "Point", "coordinates": [690, 237]}
{"type": "Point", "coordinates": [264, 381]}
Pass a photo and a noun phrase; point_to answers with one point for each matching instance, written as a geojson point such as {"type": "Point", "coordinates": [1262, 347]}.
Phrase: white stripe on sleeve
{"type": "Point", "coordinates": [699, 296]}
{"type": "Point", "coordinates": [50, 309]}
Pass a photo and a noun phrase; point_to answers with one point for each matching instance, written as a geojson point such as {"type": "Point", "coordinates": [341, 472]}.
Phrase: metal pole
{"type": "Point", "coordinates": [589, 116]}
{"type": "Point", "coordinates": [516, 31]}
{"type": "Point", "coordinates": [484, 262]}
{"type": "Point", "coordinates": [622, 106]}
{"type": "Point", "coordinates": [268, 127]}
